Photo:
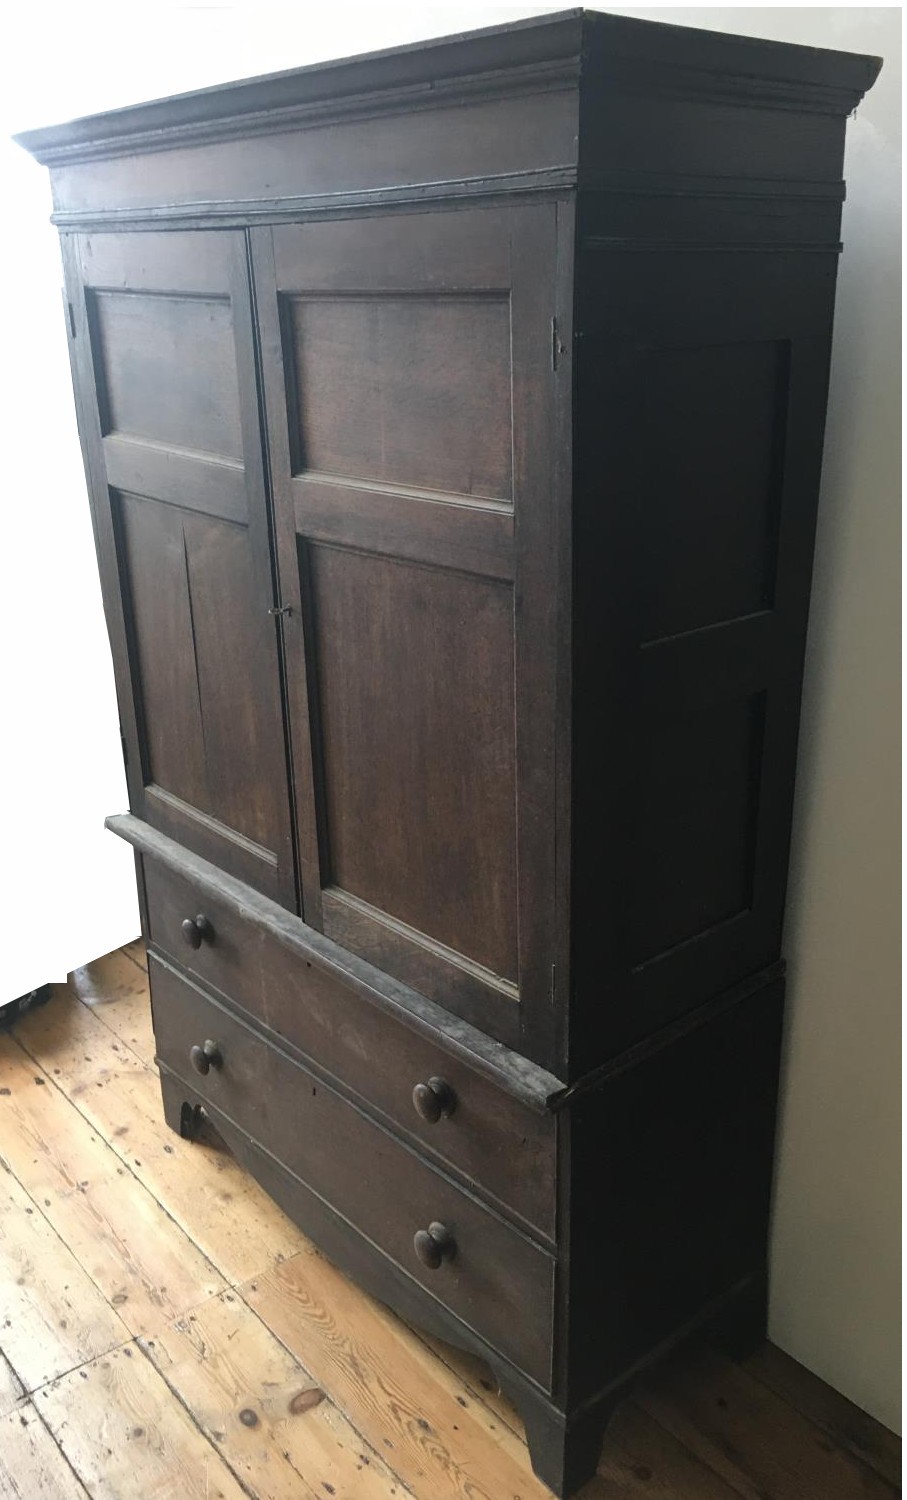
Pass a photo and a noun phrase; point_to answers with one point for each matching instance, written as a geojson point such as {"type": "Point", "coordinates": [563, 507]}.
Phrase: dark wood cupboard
{"type": "Point", "coordinates": [453, 421]}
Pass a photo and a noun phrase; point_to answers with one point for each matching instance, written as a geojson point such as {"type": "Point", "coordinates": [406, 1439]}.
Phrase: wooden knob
{"type": "Point", "coordinates": [206, 1057]}
{"type": "Point", "coordinates": [197, 930]}
{"type": "Point", "coordinates": [434, 1244]}
{"type": "Point", "coordinates": [434, 1099]}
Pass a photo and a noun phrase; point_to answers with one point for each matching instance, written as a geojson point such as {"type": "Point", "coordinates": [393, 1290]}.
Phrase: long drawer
{"type": "Point", "coordinates": [473, 1126]}
{"type": "Point", "coordinates": [490, 1275]}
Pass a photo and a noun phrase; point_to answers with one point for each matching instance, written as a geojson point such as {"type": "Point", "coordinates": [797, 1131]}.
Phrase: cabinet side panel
{"type": "Point", "coordinates": [701, 383]}
{"type": "Point", "coordinates": [671, 1176]}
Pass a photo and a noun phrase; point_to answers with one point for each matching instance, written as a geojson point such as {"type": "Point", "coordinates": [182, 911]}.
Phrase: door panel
{"type": "Point", "coordinates": [409, 392]}
{"type": "Point", "coordinates": [404, 390]}
{"type": "Point", "coordinates": [170, 422]}
{"type": "Point", "coordinates": [418, 747]}
{"type": "Point", "coordinates": [166, 369]}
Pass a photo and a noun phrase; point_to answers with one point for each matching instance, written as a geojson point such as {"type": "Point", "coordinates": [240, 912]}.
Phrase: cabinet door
{"type": "Point", "coordinates": [165, 374]}
{"type": "Point", "coordinates": [409, 390]}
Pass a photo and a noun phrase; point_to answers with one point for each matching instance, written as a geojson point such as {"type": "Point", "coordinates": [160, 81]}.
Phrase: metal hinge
{"type": "Point", "coordinates": [281, 609]}
{"type": "Point", "coordinates": [124, 750]}
{"type": "Point", "coordinates": [72, 319]}
{"type": "Point", "coordinates": [553, 983]}
{"type": "Point", "coordinates": [557, 347]}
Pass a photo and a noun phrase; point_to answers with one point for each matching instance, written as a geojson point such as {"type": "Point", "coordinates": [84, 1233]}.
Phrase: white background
{"type": "Point", "coordinates": [69, 890]}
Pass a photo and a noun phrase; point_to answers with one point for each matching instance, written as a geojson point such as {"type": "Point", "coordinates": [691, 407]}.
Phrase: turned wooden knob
{"type": "Point", "coordinates": [197, 930]}
{"type": "Point", "coordinates": [434, 1099]}
{"type": "Point", "coordinates": [433, 1245]}
{"type": "Point", "coordinates": [206, 1057]}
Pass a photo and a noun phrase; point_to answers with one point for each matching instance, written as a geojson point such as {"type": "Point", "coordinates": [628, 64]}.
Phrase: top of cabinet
{"type": "Point", "coordinates": [575, 50]}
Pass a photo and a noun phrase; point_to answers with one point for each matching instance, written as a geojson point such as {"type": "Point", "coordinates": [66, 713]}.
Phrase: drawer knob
{"type": "Point", "coordinates": [206, 1057]}
{"type": "Point", "coordinates": [434, 1099]}
{"type": "Point", "coordinates": [197, 930]}
{"type": "Point", "coordinates": [433, 1245]}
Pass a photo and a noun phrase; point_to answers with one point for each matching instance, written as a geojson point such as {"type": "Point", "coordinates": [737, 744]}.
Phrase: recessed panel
{"type": "Point", "coordinates": [206, 681]}
{"type": "Point", "coordinates": [713, 450]}
{"type": "Point", "coordinates": [415, 708]}
{"type": "Point", "coordinates": [167, 370]}
{"type": "Point", "coordinates": [411, 390]}
{"type": "Point", "coordinates": [696, 803]}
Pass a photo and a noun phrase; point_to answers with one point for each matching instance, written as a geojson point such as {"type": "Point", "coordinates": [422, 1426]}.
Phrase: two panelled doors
{"type": "Point", "coordinates": [322, 463]}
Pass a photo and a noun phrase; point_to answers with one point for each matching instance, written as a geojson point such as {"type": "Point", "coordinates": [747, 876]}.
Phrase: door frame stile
{"type": "Point", "coordinates": [297, 657]}
{"type": "Point", "coordinates": [89, 427]}
{"type": "Point", "coordinates": [261, 519]}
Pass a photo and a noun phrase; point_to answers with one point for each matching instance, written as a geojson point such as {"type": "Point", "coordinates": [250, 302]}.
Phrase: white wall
{"type": "Point", "coordinates": [835, 1291]}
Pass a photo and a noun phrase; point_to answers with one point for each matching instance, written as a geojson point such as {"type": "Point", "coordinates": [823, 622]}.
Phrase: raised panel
{"type": "Point", "coordinates": [201, 660]}
{"type": "Point", "coordinates": [694, 830]}
{"type": "Point", "coordinates": [713, 440]}
{"type": "Point", "coordinates": [404, 390]}
{"type": "Point", "coordinates": [157, 607]}
{"type": "Point", "coordinates": [415, 708]}
{"type": "Point", "coordinates": [166, 369]}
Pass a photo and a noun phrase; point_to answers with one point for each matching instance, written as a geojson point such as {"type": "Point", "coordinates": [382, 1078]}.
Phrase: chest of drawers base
{"type": "Point", "coordinates": [589, 1229]}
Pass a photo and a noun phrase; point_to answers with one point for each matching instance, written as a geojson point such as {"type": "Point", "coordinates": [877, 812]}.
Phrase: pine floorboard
{"type": "Point", "coordinates": [165, 1330]}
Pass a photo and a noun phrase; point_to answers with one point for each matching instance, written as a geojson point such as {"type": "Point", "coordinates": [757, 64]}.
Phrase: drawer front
{"type": "Point", "coordinates": [496, 1280]}
{"type": "Point", "coordinates": [492, 1139]}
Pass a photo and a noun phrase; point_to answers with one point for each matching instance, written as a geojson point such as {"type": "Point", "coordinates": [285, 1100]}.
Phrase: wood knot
{"type": "Point", "coordinates": [305, 1400]}
{"type": "Point", "coordinates": [248, 1417]}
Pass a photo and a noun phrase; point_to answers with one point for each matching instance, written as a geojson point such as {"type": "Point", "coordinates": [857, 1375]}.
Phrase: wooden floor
{"type": "Point", "coordinates": [167, 1334]}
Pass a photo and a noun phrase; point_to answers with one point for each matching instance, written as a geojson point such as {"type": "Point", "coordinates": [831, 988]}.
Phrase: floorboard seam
{"type": "Point", "coordinates": [17, 1378]}
{"type": "Point", "coordinates": [60, 1449]}
{"type": "Point", "coordinates": [180, 1400]}
{"type": "Point", "coordinates": [847, 1445]}
{"type": "Point", "coordinates": [39, 1209]}
{"type": "Point", "coordinates": [132, 959]}
{"type": "Point", "coordinates": [130, 1169]}
{"type": "Point", "coordinates": [752, 1489]}
{"type": "Point", "coordinates": [82, 1365]}
{"type": "Point", "coordinates": [94, 1010]}
{"type": "Point", "coordinates": [468, 1385]}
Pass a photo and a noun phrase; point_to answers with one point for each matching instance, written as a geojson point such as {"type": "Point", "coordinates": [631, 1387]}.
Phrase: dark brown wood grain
{"type": "Point", "coordinates": [688, 827]}
{"type": "Point", "coordinates": [404, 390]}
{"type": "Point", "coordinates": [421, 696]}
{"type": "Point", "coordinates": [156, 584]}
{"type": "Point", "coordinates": [506, 139]}
{"type": "Point", "coordinates": [455, 493]}
{"type": "Point", "coordinates": [863, 1436]}
{"type": "Point", "coordinates": [497, 1282]}
{"type": "Point", "coordinates": [166, 371]}
{"type": "Point", "coordinates": [621, 47]}
{"type": "Point", "coordinates": [429, 527]}
{"type": "Point", "coordinates": [176, 478]}
{"type": "Point", "coordinates": [416, 701]}
{"type": "Point", "coordinates": [520, 1078]}
{"type": "Point", "coordinates": [362, 1046]}
{"type": "Point", "coordinates": [162, 326]}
